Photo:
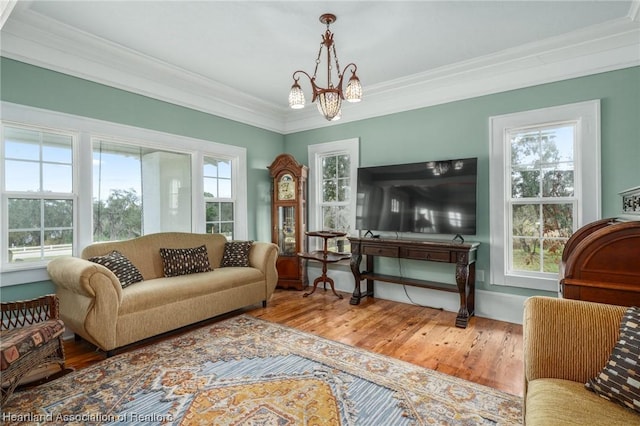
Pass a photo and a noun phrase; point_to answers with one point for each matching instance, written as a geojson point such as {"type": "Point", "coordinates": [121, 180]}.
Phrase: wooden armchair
{"type": "Point", "coordinates": [30, 338]}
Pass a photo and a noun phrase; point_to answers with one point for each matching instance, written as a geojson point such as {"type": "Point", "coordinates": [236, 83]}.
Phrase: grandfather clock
{"type": "Point", "coordinates": [289, 219]}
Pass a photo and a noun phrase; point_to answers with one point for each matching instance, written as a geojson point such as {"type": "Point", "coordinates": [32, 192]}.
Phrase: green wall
{"type": "Point", "coordinates": [25, 84]}
{"type": "Point", "coordinates": [456, 129]}
{"type": "Point", "coordinates": [461, 129]}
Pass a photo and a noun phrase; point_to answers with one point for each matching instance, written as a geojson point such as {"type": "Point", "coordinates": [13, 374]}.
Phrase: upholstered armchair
{"type": "Point", "coordinates": [30, 339]}
{"type": "Point", "coordinates": [567, 343]}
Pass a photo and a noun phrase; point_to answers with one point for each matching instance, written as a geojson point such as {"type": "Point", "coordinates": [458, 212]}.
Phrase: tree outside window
{"type": "Point", "coordinates": [38, 192]}
{"type": "Point", "coordinates": [542, 196]}
{"type": "Point", "coordinates": [336, 197]}
{"type": "Point", "coordinates": [139, 190]}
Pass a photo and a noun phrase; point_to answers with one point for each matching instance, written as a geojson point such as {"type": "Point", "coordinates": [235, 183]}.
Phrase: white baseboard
{"type": "Point", "coordinates": [489, 304]}
{"type": "Point", "coordinates": [500, 306]}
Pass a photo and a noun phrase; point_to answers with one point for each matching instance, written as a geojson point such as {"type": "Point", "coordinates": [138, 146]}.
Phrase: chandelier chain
{"type": "Point", "coordinates": [335, 57]}
{"type": "Point", "coordinates": [315, 71]}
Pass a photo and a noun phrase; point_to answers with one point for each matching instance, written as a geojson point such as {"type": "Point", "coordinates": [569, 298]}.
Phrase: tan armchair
{"type": "Point", "coordinates": [566, 343]}
{"type": "Point", "coordinates": [31, 339]}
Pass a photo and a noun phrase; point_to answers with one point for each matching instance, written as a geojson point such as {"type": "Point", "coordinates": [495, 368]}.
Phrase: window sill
{"type": "Point", "coordinates": [16, 276]}
{"type": "Point", "coordinates": [531, 283]}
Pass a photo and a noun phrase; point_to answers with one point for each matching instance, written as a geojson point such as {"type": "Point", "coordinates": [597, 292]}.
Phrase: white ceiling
{"type": "Point", "coordinates": [235, 58]}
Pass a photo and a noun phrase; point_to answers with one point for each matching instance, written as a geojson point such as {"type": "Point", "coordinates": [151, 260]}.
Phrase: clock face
{"type": "Point", "coordinates": [286, 188]}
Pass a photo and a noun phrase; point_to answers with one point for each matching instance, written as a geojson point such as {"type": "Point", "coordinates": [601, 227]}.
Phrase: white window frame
{"type": "Point", "coordinates": [315, 153]}
{"type": "Point", "coordinates": [88, 128]}
{"type": "Point", "coordinates": [587, 182]}
{"type": "Point", "coordinates": [6, 195]}
{"type": "Point", "coordinates": [235, 198]}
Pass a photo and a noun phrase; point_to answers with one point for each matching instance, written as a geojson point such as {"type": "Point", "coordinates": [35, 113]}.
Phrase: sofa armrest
{"type": "Point", "coordinates": [90, 297]}
{"type": "Point", "coordinates": [568, 339]}
{"type": "Point", "coordinates": [263, 256]}
{"type": "Point", "coordinates": [85, 278]}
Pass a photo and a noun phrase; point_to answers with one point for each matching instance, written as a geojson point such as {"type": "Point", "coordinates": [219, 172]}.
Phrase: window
{"type": "Point", "coordinates": [544, 185]}
{"type": "Point", "coordinates": [38, 197]}
{"type": "Point", "coordinates": [218, 196]}
{"type": "Point", "coordinates": [139, 190]}
{"type": "Point", "coordinates": [66, 181]}
{"type": "Point", "coordinates": [542, 200]}
{"type": "Point", "coordinates": [332, 180]}
{"type": "Point", "coordinates": [335, 198]}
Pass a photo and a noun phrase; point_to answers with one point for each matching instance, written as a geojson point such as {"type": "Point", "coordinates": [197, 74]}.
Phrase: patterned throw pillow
{"type": "Point", "coordinates": [236, 253]}
{"type": "Point", "coordinates": [619, 380]}
{"type": "Point", "coordinates": [122, 268]}
{"type": "Point", "coordinates": [185, 261]}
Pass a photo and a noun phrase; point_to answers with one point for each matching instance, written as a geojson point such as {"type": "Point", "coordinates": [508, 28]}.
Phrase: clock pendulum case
{"type": "Point", "coordinates": [289, 219]}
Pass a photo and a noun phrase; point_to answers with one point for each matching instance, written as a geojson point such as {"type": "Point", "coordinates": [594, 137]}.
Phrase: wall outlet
{"type": "Point", "coordinates": [480, 275]}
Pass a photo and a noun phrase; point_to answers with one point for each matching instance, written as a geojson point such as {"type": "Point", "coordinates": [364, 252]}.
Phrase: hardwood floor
{"type": "Point", "coordinates": [487, 352]}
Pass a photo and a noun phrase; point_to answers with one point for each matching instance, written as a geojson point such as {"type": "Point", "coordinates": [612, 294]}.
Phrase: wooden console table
{"type": "Point", "coordinates": [463, 255]}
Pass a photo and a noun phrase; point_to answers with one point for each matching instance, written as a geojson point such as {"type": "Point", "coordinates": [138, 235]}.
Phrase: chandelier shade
{"type": "Point", "coordinates": [330, 102]}
{"type": "Point", "coordinates": [329, 99]}
{"type": "Point", "coordinates": [296, 96]}
{"type": "Point", "coordinates": [354, 89]}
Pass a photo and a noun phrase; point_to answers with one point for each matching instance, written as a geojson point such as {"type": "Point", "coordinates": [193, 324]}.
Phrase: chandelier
{"type": "Point", "coordinates": [329, 99]}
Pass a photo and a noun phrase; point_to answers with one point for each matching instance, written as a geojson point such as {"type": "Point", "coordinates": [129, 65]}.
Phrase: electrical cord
{"type": "Point", "coordinates": [407, 293]}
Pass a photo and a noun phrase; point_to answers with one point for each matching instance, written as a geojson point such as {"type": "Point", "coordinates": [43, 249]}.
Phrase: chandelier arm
{"type": "Point", "coordinates": [301, 72]}
{"type": "Point", "coordinates": [312, 80]}
{"type": "Point", "coordinates": [355, 68]}
{"type": "Point", "coordinates": [341, 77]}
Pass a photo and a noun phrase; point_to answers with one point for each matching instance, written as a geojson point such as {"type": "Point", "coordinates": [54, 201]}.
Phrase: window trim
{"type": "Point", "coordinates": [587, 179]}
{"type": "Point", "coordinates": [237, 178]}
{"type": "Point", "coordinates": [5, 266]}
{"type": "Point", "coordinates": [88, 128]}
{"type": "Point", "coordinates": [315, 153]}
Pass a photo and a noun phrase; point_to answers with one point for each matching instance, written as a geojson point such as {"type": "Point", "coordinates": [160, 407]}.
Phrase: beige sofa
{"type": "Point", "coordinates": [94, 305]}
{"type": "Point", "coordinates": [566, 343]}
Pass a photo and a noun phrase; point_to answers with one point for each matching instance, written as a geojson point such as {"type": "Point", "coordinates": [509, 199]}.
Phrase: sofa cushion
{"type": "Point", "coordinates": [236, 253]}
{"type": "Point", "coordinates": [122, 268]}
{"type": "Point", "coordinates": [565, 402]}
{"type": "Point", "coordinates": [18, 342]}
{"type": "Point", "coordinates": [619, 380]}
{"type": "Point", "coordinates": [165, 291]}
{"type": "Point", "coordinates": [185, 261]}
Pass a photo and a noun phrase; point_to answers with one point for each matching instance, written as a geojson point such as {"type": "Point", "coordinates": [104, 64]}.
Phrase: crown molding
{"type": "Point", "coordinates": [38, 40]}
{"type": "Point", "coordinates": [41, 41]}
{"type": "Point", "coordinates": [6, 7]}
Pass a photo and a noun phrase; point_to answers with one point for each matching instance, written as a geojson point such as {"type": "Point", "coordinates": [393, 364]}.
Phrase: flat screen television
{"type": "Point", "coordinates": [430, 197]}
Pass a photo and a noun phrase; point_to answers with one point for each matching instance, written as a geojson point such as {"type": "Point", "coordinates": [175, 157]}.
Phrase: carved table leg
{"type": "Point", "coordinates": [324, 279]}
{"type": "Point", "coordinates": [465, 289]}
{"type": "Point", "coordinates": [355, 269]}
{"type": "Point", "coordinates": [315, 285]}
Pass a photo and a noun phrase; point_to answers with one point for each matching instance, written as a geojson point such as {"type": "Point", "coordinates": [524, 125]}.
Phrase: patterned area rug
{"type": "Point", "coordinates": [247, 371]}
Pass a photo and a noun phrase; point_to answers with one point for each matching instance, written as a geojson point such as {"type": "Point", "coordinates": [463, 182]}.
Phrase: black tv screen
{"type": "Point", "coordinates": [431, 197]}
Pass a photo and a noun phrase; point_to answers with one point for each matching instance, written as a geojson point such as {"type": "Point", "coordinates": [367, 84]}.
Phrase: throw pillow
{"type": "Point", "coordinates": [619, 380]}
{"type": "Point", "coordinates": [185, 261]}
{"type": "Point", "coordinates": [236, 253]}
{"type": "Point", "coordinates": [122, 268]}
